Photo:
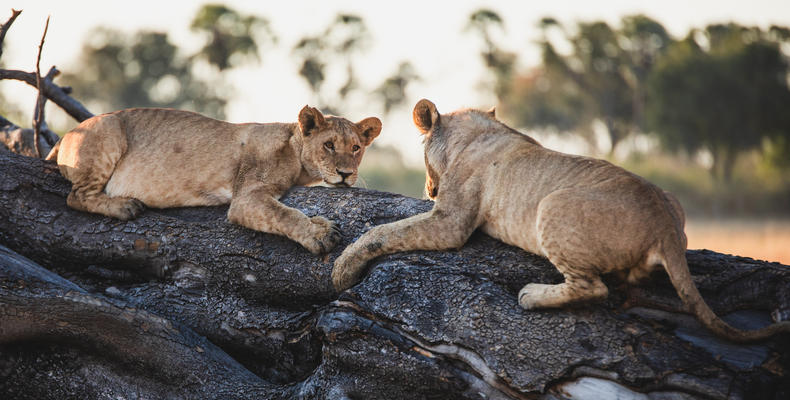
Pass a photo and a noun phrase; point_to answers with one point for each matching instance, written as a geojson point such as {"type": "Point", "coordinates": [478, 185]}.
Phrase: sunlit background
{"type": "Point", "coordinates": [692, 95]}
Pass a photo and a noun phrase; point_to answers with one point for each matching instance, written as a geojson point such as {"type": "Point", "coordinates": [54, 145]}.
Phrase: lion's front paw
{"type": "Point", "coordinates": [346, 271]}
{"type": "Point", "coordinates": [530, 296]}
{"type": "Point", "coordinates": [324, 236]}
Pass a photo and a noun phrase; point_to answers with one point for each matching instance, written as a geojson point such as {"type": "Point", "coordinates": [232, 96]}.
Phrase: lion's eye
{"type": "Point", "coordinates": [355, 148]}
{"type": "Point", "coordinates": [329, 145]}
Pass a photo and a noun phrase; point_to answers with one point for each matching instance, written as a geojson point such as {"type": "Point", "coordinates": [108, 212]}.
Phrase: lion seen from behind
{"type": "Point", "coordinates": [587, 216]}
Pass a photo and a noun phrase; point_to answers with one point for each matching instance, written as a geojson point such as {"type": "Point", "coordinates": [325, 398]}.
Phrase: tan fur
{"type": "Point", "coordinates": [121, 161]}
{"type": "Point", "coordinates": [587, 216]}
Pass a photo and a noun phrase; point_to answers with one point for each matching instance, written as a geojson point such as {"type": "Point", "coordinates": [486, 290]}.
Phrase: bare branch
{"type": "Point", "coordinates": [4, 27]}
{"type": "Point", "coordinates": [50, 137]}
{"type": "Point", "coordinates": [58, 95]}
{"type": "Point", "coordinates": [38, 115]}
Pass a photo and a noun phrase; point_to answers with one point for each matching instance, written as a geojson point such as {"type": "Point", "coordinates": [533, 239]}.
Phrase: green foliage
{"type": "Point", "coordinates": [231, 36]}
{"type": "Point", "coordinates": [723, 89]}
{"type": "Point", "coordinates": [144, 69]}
{"type": "Point", "coordinates": [601, 79]}
{"type": "Point", "coordinates": [776, 153]}
{"type": "Point", "coordinates": [754, 190]}
{"type": "Point", "coordinates": [392, 92]}
{"type": "Point", "coordinates": [332, 53]}
{"type": "Point", "coordinates": [341, 40]}
{"type": "Point", "coordinates": [141, 70]}
{"type": "Point", "coordinates": [499, 62]}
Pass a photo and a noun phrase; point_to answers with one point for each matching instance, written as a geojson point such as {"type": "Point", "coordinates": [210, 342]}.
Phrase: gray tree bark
{"type": "Point", "coordinates": [179, 303]}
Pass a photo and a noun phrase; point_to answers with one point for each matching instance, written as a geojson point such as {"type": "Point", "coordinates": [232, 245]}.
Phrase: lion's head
{"type": "Point", "coordinates": [447, 134]}
{"type": "Point", "coordinates": [438, 137]}
{"type": "Point", "coordinates": [332, 147]}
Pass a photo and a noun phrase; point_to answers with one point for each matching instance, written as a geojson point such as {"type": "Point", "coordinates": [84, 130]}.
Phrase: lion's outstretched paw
{"type": "Point", "coordinates": [325, 235]}
{"type": "Point", "coordinates": [530, 296]}
{"type": "Point", "coordinates": [346, 271]}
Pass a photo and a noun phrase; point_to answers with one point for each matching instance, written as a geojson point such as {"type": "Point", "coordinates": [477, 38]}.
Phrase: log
{"type": "Point", "coordinates": [420, 325]}
{"type": "Point", "coordinates": [45, 316]}
{"type": "Point", "coordinates": [21, 141]}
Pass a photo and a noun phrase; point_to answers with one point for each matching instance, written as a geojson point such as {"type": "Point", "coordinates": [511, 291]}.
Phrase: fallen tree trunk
{"type": "Point", "coordinates": [21, 141]}
{"type": "Point", "coordinates": [41, 310]}
{"type": "Point", "coordinates": [420, 325]}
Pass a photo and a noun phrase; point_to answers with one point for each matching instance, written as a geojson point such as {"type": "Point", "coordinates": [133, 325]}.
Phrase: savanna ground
{"type": "Point", "coordinates": [763, 239]}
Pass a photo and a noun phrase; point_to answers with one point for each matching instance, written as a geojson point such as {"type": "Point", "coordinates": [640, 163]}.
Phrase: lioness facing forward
{"type": "Point", "coordinates": [121, 161]}
{"type": "Point", "coordinates": [587, 216]}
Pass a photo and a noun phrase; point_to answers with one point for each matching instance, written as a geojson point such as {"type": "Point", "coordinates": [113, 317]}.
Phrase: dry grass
{"type": "Point", "coordinates": [759, 239]}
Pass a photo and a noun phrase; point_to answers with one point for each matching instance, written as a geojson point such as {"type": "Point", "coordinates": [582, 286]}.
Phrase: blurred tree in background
{"type": "Point", "coordinates": [231, 38]}
{"type": "Point", "coordinates": [601, 80]}
{"type": "Point", "coordinates": [140, 70]}
{"type": "Point", "coordinates": [145, 69]}
{"type": "Point", "coordinates": [392, 92]}
{"type": "Point", "coordinates": [724, 89]}
{"type": "Point", "coordinates": [334, 51]}
{"type": "Point", "coordinates": [345, 37]}
{"type": "Point", "coordinates": [500, 63]}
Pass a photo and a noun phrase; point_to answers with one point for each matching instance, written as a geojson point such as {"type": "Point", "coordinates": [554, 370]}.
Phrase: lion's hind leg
{"type": "Point", "coordinates": [568, 246]}
{"type": "Point", "coordinates": [88, 198]}
{"type": "Point", "coordinates": [577, 288]}
{"type": "Point", "coordinates": [87, 157]}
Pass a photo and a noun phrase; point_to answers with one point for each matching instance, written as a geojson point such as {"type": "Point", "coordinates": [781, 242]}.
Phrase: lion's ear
{"type": "Point", "coordinates": [425, 116]}
{"type": "Point", "coordinates": [370, 128]}
{"type": "Point", "coordinates": [310, 119]}
{"type": "Point", "coordinates": [492, 112]}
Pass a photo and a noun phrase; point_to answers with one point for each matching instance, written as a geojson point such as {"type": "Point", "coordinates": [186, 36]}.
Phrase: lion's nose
{"type": "Point", "coordinates": [344, 174]}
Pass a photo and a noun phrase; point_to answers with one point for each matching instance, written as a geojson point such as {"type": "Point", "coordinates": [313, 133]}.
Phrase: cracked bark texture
{"type": "Point", "coordinates": [122, 306]}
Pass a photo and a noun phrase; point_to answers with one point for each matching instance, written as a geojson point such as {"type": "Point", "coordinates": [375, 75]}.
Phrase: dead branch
{"type": "Point", "coordinates": [14, 137]}
{"type": "Point", "coordinates": [5, 26]}
{"type": "Point", "coordinates": [41, 100]}
{"type": "Point", "coordinates": [57, 94]}
{"type": "Point", "coordinates": [49, 136]}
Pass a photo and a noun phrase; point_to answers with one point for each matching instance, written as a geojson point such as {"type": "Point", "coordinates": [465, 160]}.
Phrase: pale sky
{"type": "Point", "coordinates": [427, 33]}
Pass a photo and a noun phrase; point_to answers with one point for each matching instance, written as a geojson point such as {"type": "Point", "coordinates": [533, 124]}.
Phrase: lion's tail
{"type": "Point", "coordinates": [53, 154]}
{"type": "Point", "coordinates": [673, 256]}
